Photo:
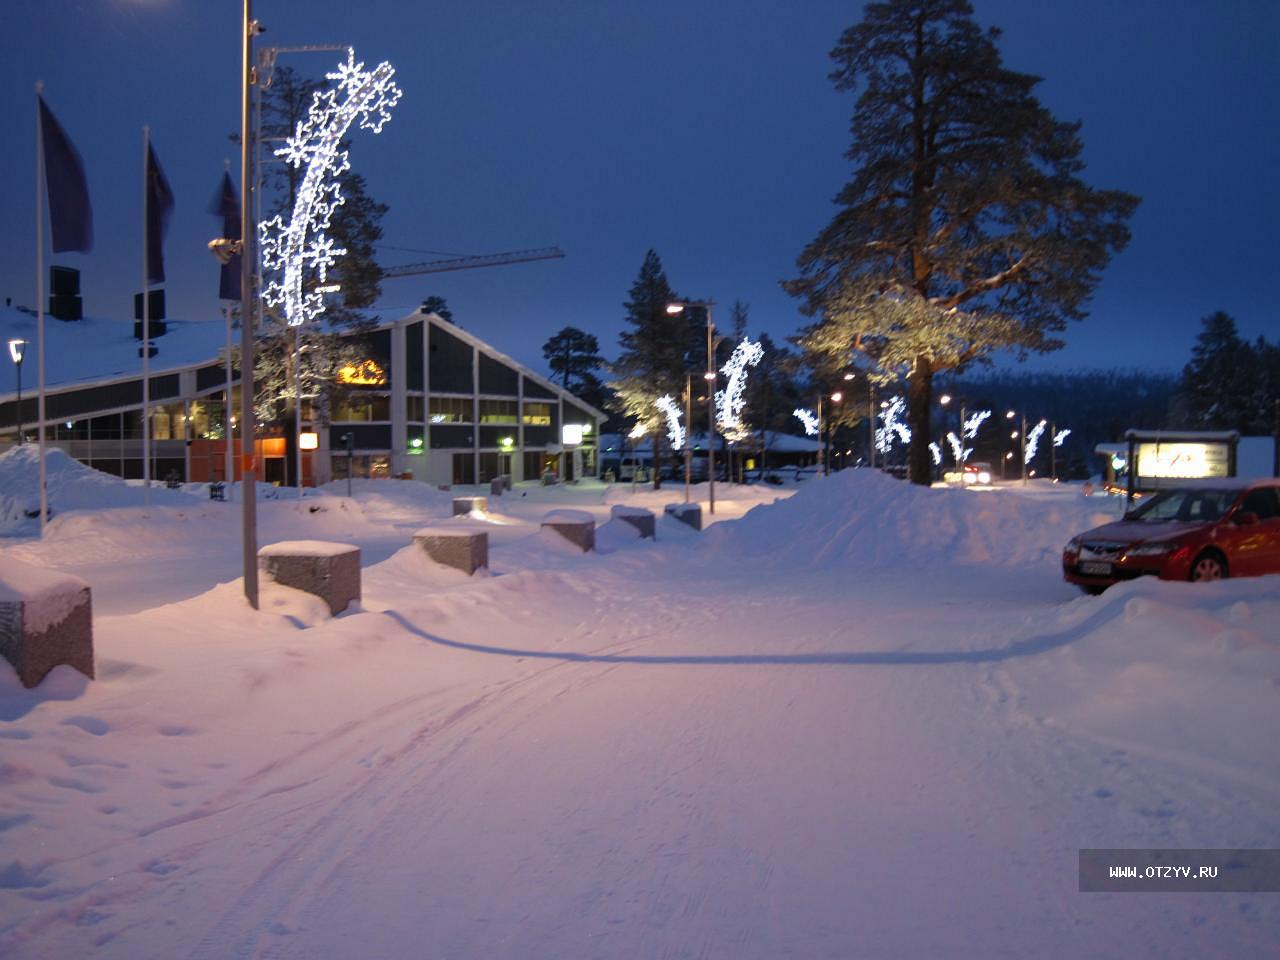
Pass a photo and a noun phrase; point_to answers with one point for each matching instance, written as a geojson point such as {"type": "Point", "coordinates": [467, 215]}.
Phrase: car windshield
{"type": "Point", "coordinates": [1189, 506]}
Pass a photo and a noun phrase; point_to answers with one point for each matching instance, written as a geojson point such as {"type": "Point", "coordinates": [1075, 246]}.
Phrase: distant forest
{"type": "Point", "coordinates": [1098, 406]}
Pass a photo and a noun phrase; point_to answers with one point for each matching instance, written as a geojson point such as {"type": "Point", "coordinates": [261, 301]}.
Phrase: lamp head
{"type": "Point", "coordinates": [674, 308]}
{"type": "Point", "coordinates": [16, 349]}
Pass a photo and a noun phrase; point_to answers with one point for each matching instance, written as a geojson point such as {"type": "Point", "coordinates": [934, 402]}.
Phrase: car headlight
{"type": "Point", "coordinates": [1150, 549]}
{"type": "Point", "coordinates": [1073, 545]}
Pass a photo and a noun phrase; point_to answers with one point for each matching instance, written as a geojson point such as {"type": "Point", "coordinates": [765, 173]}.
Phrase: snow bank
{"type": "Point", "coordinates": [71, 484]}
{"type": "Point", "coordinates": [864, 516]}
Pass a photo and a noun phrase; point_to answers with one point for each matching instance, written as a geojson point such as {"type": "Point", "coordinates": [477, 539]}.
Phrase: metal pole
{"type": "Point", "coordinates": [871, 423]}
{"type": "Point", "coordinates": [248, 468]}
{"type": "Point", "coordinates": [44, 493]}
{"type": "Point", "coordinates": [146, 323]}
{"type": "Point", "coordinates": [1022, 438]}
{"type": "Point", "coordinates": [822, 438]}
{"type": "Point", "coordinates": [1053, 452]}
{"type": "Point", "coordinates": [688, 434]}
{"type": "Point", "coordinates": [18, 364]}
{"type": "Point", "coordinates": [228, 447]}
{"type": "Point", "coordinates": [297, 409]}
{"type": "Point", "coordinates": [711, 414]}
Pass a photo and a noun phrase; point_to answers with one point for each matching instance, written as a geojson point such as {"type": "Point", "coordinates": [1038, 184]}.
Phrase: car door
{"type": "Point", "coordinates": [1257, 546]}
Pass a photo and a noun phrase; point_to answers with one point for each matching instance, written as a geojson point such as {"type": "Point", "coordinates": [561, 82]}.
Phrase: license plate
{"type": "Point", "coordinates": [1094, 568]}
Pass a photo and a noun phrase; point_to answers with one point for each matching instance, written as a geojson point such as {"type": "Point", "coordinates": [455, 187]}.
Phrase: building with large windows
{"type": "Point", "coordinates": [430, 401]}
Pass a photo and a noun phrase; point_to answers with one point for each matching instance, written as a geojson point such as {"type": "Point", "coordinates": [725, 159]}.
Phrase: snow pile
{"type": "Point", "coordinates": [48, 596]}
{"type": "Point", "coordinates": [71, 484]}
{"type": "Point", "coordinates": [864, 516]}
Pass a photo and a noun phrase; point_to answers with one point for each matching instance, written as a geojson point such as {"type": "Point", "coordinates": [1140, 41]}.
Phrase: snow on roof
{"type": "Point", "coordinates": [95, 349]}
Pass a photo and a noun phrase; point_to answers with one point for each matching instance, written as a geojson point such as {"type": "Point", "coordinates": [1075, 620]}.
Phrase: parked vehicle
{"type": "Point", "coordinates": [1203, 530]}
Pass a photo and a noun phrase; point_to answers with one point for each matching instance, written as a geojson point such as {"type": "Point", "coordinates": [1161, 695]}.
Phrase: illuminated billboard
{"type": "Point", "coordinates": [1184, 461]}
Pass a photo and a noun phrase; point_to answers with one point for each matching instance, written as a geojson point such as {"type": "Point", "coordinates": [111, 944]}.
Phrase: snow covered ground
{"type": "Point", "coordinates": [866, 720]}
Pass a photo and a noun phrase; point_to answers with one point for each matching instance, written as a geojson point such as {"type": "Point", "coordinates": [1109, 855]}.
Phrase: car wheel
{"type": "Point", "coordinates": [1209, 566]}
{"type": "Point", "coordinates": [1093, 589]}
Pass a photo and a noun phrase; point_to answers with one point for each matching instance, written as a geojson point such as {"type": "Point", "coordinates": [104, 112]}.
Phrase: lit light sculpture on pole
{"type": "Point", "coordinates": [729, 401]}
{"type": "Point", "coordinates": [891, 416]}
{"type": "Point", "coordinates": [809, 419]}
{"type": "Point", "coordinates": [289, 249]}
{"type": "Point", "coordinates": [671, 409]}
{"type": "Point", "coordinates": [1033, 441]}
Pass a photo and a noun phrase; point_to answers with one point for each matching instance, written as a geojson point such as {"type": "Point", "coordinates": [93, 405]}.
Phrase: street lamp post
{"type": "Point", "coordinates": [249, 527]}
{"type": "Point", "coordinates": [688, 434]}
{"type": "Point", "coordinates": [1021, 436]}
{"type": "Point", "coordinates": [678, 306]}
{"type": "Point", "coordinates": [16, 350]}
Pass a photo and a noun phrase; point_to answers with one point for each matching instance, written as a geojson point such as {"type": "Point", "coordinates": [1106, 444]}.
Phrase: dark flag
{"type": "Point", "coordinates": [70, 216]}
{"type": "Point", "coordinates": [226, 204]}
{"type": "Point", "coordinates": [159, 207]}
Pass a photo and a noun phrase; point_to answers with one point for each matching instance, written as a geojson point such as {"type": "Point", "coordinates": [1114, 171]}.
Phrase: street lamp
{"type": "Point", "coordinates": [1020, 435]}
{"type": "Point", "coordinates": [673, 308]}
{"type": "Point", "coordinates": [824, 432]}
{"type": "Point", "coordinates": [959, 452]}
{"type": "Point", "coordinates": [16, 350]}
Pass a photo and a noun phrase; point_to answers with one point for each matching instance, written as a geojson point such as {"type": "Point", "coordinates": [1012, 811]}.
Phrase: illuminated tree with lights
{"type": "Point", "coordinates": [966, 228]}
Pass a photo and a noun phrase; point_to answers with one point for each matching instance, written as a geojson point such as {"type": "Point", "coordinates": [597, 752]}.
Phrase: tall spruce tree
{"type": "Point", "coordinates": [1230, 384]}
{"type": "Point", "coordinates": [966, 227]}
{"type": "Point", "coordinates": [654, 345]}
{"type": "Point", "coordinates": [573, 356]}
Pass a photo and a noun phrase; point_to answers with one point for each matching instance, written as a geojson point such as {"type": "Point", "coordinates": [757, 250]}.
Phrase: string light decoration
{"type": "Point", "coordinates": [809, 419]}
{"type": "Point", "coordinates": [936, 451]}
{"type": "Point", "coordinates": [891, 415]}
{"type": "Point", "coordinates": [729, 401]}
{"type": "Point", "coordinates": [1033, 440]}
{"type": "Point", "coordinates": [675, 432]}
{"type": "Point", "coordinates": [958, 449]}
{"type": "Point", "coordinates": [974, 421]}
{"type": "Point", "coordinates": [291, 250]}
{"type": "Point", "coordinates": [1060, 436]}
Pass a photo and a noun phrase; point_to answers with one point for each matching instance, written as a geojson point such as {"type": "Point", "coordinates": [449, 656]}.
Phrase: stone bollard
{"type": "Point", "coordinates": [46, 619]}
{"type": "Point", "coordinates": [496, 486]}
{"type": "Point", "coordinates": [464, 505]}
{"type": "Point", "coordinates": [506, 482]}
{"type": "Point", "coordinates": [687, 513]}
{"type": "Point", "coordinates": [638, 517]}
{"type": "Point", "coordinates": [465, 550]}
{"type": "Point", "coordinates": [329, 570]}
{"type": "Point", "coordinates": [576, 526]}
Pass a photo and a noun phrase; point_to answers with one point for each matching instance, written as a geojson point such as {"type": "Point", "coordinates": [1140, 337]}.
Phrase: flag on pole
{"type": "Point", "coordinates": [70, 215]}
{"type": "Point", "coordinates": [226, 204]}
{"type": "Point", "coordinates": [159, 208]}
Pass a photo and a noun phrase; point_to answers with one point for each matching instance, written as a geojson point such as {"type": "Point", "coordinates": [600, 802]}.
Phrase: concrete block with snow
{"type": "Point", "coordinates": [331, 571]}
{"type": "Point", "coordinates": [638, 517]}
{"type": "Point", "coordinates": [687, 513]}
{"type": "Point", "coordinates": [465, 550]}
{"type": "Point", "coordinates": [46, 619]}
{"type": "Point", "coordinates": [496, 486]}
{"type": "Point", "coordinates": [576, 526]}
{"type": "Point", "coordinates": [465, 505]}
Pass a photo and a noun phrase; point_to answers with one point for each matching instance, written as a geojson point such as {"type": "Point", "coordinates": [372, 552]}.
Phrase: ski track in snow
{"type": "Point", "coordinates": [709, 747]}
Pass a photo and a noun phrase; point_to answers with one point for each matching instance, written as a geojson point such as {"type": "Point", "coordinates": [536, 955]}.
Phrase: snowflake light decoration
{"type": "Point", "coordinates": [1060, 436]}
{"type": "Point", "coordinates": [958, 449]}
{"type": "Point", "coordinates": [729, 401]}
{"type": "Point", "coordinates": [974, 421]}
{"type": "Point", "coordinates": [675, 432]}
{"type": "Point", "coordinates": [1033, 440]}
{"type": "Point", "coordinates": [809, 419]}
{"type": "Point", "coordinates": [936, 452]}
{"type": "Point", "coordinates": [891, 416]}
{"type": "Point", "coordinates": [290, 250]}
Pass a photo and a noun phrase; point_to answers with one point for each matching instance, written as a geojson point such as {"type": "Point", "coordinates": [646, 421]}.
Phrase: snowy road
{"type": "Point", "coordinates": [676, 750]}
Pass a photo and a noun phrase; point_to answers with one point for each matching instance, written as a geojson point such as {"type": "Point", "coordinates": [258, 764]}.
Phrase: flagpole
{"type": "Point", "coordinates": [248, 493]}
{"type": "Point", "coordinates": [146, 321]}
{"type": "Point", "coordinates": [44, 495]}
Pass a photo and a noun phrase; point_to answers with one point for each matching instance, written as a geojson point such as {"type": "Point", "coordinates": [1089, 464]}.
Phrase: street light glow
{"type": "Point", "coordinates": [837, 396]}
{"type": "Point", "coordinates": [944, 399]}
{"type": "Point", "coordinates": [16, 348]}
{"type": "Point", "coordinates": [674, 308]}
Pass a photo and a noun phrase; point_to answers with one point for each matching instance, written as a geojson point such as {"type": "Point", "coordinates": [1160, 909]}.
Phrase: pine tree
{"type": "Point", "coordinates": [1230, 384]}
{"type": "Point", "coordinates": [966, 228]}
{"type": "Point", "coordinates": [573, 355]}
{"type": "Point", "coordinates": [652, 362]}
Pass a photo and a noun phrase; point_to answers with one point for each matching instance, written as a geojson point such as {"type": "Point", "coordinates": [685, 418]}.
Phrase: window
{"type": "Point", "coordinates": [537, 414]}
{"type": "Point", "coordinates": [498, 411]}
{"type": "Point", "coordinates": [360, 407]}
{"type": "Point", "coordinates": [415, 406]}
{"type": "Point", "coordinates": [451, 410]}
{"type": "Point", "coordinates": [1263, 502]}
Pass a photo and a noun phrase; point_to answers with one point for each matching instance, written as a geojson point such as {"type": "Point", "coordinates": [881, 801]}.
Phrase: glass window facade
{"type": "Point", "coordinates": [451, 410]}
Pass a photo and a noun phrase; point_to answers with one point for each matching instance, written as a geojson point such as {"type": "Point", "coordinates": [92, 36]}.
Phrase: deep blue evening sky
{"type": "Point", "coordinates": [706, 130]}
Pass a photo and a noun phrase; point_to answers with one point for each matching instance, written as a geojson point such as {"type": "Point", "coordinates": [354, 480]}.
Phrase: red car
{"type": "Point", "coordinates": [1205, 530]}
